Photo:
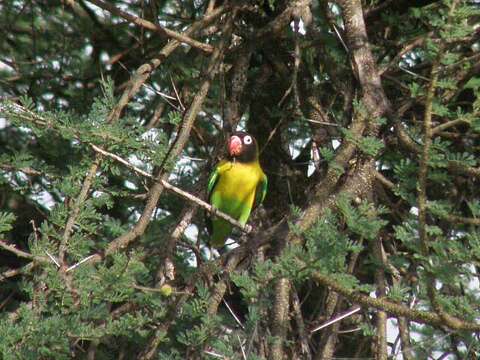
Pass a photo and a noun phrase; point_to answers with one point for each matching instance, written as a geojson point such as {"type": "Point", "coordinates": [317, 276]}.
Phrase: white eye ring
{"type": "Point", "coordinates": [247, 140]}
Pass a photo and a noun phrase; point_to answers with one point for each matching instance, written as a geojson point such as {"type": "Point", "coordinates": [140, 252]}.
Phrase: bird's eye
{"type": "Point", "coordinates": [247, 140]}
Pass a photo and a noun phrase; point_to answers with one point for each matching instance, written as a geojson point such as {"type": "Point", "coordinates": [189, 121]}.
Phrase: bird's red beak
{"type": "Point", "coordinates": [234, 146]}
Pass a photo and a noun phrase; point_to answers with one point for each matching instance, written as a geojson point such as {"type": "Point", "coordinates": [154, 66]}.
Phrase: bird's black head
{"type": "Point", "coordinates": [242, 147]}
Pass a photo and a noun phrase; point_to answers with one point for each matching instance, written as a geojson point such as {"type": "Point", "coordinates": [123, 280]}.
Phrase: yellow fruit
{"type": "Point", "coordinates": [166, 290]}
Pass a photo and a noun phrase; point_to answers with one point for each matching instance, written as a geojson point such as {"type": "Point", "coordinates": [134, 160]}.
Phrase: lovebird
{"type": "Point", "coordinates": [236, 186]}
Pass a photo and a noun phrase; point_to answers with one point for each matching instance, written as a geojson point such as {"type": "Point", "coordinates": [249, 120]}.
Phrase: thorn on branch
{"type": "Point", "coordinates": [337, 318]}
{"type": "Point", "coordinates": [79, 263]}
{"type": "Point", "coordinates": [55, 261]}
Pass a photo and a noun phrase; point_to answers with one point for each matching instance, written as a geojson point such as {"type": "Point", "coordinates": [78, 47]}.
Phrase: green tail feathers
{"type": "Point", "coordinates": [221, 230]}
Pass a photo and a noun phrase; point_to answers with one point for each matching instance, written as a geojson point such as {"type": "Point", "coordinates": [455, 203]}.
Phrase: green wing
{"type": "Point", "coordinates": [212, 181]}
{"type": "Point", "coordinates": [261, 191]}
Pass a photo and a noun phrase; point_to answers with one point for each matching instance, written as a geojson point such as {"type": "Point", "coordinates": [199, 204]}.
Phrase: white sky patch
{"type": "Point", "coordinates": [97, 194]}
{"type": "Point", "coordinates": [134, 160]}
{"type": "Point", "coordinates": [130, 185]}
{"type": "Point", "coordinates": [47, 96]}
{"type": "Point", "coordinates": [151, 135]}
{"type": "Point", "coordinates": [392, 334]}
{"type": "Point", "coordinates": [98, 11]}
{"type": "Point", "coordinates": [297, 146]}
{"type": "Point", "coordinates": [242, 124]}
{"type": "Point", "coordinates": [185, 46]}
{"type": "Point", "coordinates": [192, 260]}
{"type": "Point", "coordinates": [22, 176]}
{"type": "Point", "coordinates": [191, 232]}
{"type": "Point", "coordinates": [5, 67]}
{"type": "Point", "coordinates": [473, 282]}
{"type": "Point", "coordinates": [25, 129]}
{"type": "Point", "coordinates": [217, 118]}
{"type": "Point", "coordinates": [182, 166]}
{"type": "Point", "coordinates": [414, 211]}
{"type": "Point", "coordinates": [44, 198]}
{"type": "Point", "coordinates": [152, 90]}
{"type": "Point", "coordinates": [232, 244]}
{"type": "Point", "coordinates": [56, 65]}
{"type": "Point", "coordinates": [301, 27]}
{"type": "Point", "coordinates": [62, 102]}
{"type": "Point", "coordinates": [88, 50]}
{"type": "Point", "coordinates": [135, 214]}
{"type": "Point", "coordinates": [105, 58]}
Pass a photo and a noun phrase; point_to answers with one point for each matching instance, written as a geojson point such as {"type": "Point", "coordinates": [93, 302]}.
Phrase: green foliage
{"type": "Point", "coordinates": [6, 220]}
{"type": "Point", "coordinates": [327, 246]}
{"type": "Point", "coordinates": [327, 153]}
{"type": "Point", "coordinates": [367, 144]}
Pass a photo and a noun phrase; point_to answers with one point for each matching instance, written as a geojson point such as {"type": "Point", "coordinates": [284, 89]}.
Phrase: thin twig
{"type": "Point", "coordinates": [337, 318]}
{"type": "Point", "coordinates": [302, 333]}
{"type": "Point", "coordinates": [211, 353]}
{"type": "Point", "coordinates": [176, 93]}
{"type": "Point", "coordinates": [35, 229]}
{"type": "Point", "coordinates": [6, 300]}
{"type": "Point", "coordinates": [233, 314]}
{"type": "Point", "coordinates": [16, 251]}
{"type": "Point", "coordinates": [413, 74]}
{"type": "Point", "coordinates": [55, 261]}
{"type": "Point", "coordinates": [296, 66]}
{"type": "Point", "coordinates": [164, 96]}
{"type": "Point", "coordinates": [241, 347]}
{"type": "Point", "coordinates": [349, 330]}
{"type": "Point", "coordinates": [77, 207]}
{"type": "Point", "coordinates": [322, 122]}
{"type": "Point", "coordinates": [340, 38]}
{"type": "Point", "coordinates": [79, 263]}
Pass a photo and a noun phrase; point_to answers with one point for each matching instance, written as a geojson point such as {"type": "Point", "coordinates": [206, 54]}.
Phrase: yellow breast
{"type": "Point", "coordinates": [239, 180]}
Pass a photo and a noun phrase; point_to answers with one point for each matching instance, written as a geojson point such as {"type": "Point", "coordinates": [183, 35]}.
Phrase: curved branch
{"type": "Point", "coordinates": [187, 196]}
{"type": "Point", "coordinates": [18, 252]}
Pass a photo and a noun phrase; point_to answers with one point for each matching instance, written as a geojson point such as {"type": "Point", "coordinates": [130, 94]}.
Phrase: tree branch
{"type": "Point", "coordinates": [19, 253]}
{"type": "Point", "coordinates": [182, 38]}
{"type": "Point", "coordinates": [280, 318]}
{"type": "Point", "coordinates": [420, 316]}
{"type": "Point", "coordinates": [381, 350]}
{"type": "Point", "coordinates": [448, 125]}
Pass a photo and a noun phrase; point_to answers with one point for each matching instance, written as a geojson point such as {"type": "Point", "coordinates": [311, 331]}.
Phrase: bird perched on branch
{"type": "Point", "coordinates": [236, 186]}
